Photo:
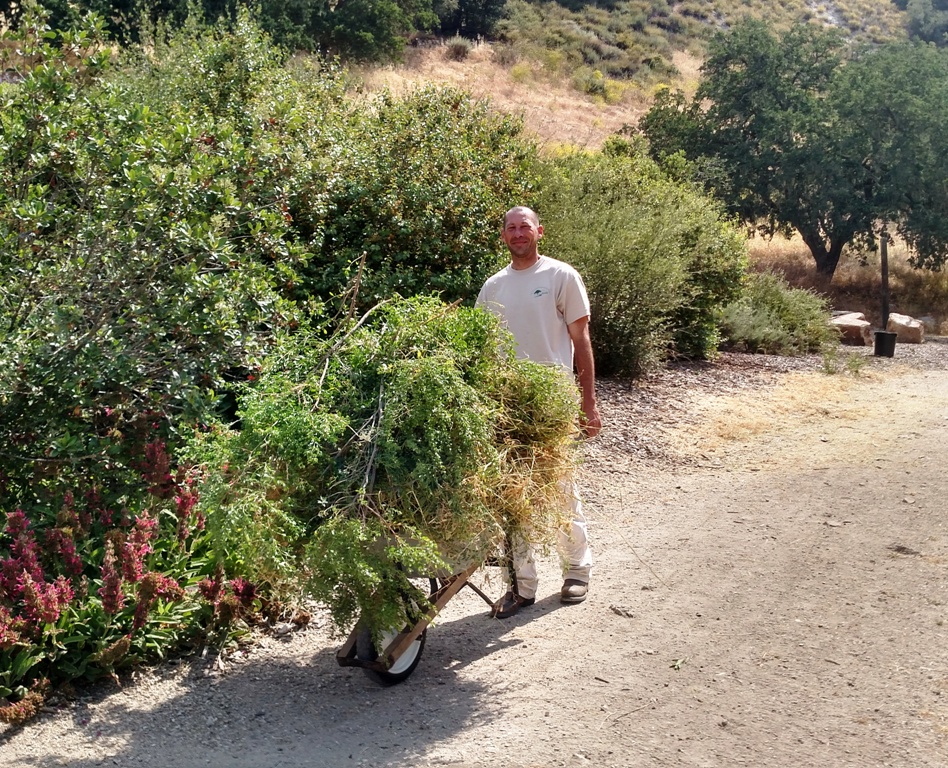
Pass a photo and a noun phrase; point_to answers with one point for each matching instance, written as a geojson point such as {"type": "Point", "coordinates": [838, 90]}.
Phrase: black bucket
{"type": "Point", "coordinates": [885, 343]}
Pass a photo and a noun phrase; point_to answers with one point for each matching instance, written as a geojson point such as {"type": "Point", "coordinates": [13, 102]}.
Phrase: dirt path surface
{"type": "Point", "coordinates": [770, 590]}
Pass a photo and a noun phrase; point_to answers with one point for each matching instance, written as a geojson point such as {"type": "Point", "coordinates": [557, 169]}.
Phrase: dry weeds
{"type": "Point", "coordinates": [554, 113]}
{"type": "Point", "coordinates": [695, 414]}
{"type": "Point", "coordinates": [857, 284]}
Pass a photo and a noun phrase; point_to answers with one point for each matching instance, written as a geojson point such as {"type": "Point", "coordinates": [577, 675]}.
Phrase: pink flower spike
{"type": "Point", "coordinates": [111, 591]}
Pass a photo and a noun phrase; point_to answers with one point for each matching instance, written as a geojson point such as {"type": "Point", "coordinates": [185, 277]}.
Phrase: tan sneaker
{"type": "Point", "coordinates": [573, 591]}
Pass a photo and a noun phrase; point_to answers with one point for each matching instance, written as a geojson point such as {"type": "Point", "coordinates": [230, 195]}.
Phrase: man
{"type": "Point", "coordinates": [543, 303]}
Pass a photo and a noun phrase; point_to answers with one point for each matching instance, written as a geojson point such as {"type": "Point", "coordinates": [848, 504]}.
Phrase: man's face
{"type": "Point", "coordinates": [521, 234]}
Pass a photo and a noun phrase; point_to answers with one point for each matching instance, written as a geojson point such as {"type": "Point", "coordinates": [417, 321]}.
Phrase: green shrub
{"type": "Point", "coordinates": [138, 269]}
{"type": "Point", "coordinates": [773, 318]}
{"type": "Point", "coordinates": [590, 81]}
{"type": "Point", "coordinates": [458, 48]}
{"type": "Point", "coordinates": [414, 197]}
{"type": "Point", "coordinates": [407, 441]}
{"type": "Point", "coordinates": [137, 266]}
{"type": "Point", "coordinates": [656, 257]}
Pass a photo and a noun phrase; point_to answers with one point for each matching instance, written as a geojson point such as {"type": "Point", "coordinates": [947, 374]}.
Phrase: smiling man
{"type": "Point", "coordinates": [543, 303]}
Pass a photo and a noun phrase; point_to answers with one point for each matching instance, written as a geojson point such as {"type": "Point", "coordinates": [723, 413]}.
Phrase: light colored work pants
{"type": "Point", "coordinates": [572, 545]}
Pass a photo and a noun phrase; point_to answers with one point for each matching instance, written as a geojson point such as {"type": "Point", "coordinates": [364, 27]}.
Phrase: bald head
{"type": "Point", "coordinates": [521, 234]}
{"type": "Point", "coordinates": [522, 209]}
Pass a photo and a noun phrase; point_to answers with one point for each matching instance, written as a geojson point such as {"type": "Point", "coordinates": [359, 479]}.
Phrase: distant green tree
{"type": "Point", "coordinates": [471, 18]}
{"type": "Point", "coordinates": [892, 108]}
{"type": "Point", "coordinates": [368, 29]}
{"type": "Point", "coordinates": [791, 137]}
{"type": "Point", "coordinates": [351, 29]}
{"type": "Point", "coordinates": [928, 20]}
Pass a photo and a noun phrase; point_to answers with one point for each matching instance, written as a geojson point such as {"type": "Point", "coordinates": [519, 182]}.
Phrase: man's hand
{"type": "Point", "coordinates": [586, 373]}
{"type": "Point", "coordinates": [591, 422]}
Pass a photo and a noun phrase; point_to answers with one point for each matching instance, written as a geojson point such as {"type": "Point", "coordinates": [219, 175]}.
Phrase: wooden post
{"type": "Point", "coordinates": [884, 257]}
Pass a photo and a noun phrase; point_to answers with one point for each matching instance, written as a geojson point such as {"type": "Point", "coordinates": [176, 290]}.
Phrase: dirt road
{"type": "Point", "coordinates": [770, 590]}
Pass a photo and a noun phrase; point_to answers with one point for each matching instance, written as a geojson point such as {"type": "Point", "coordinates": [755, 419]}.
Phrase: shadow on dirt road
{"type": "Point", "coordinates": [782, 601]}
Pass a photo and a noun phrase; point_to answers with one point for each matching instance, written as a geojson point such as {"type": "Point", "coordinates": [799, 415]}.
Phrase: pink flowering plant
{"type": "Point", "coordinates": [158, 232]}
{"type": "Point", "coordinates": [125, 306]}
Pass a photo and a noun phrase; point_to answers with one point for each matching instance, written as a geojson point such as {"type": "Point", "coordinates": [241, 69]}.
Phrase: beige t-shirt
{"type": "Point", "coordinates": [537, 305]}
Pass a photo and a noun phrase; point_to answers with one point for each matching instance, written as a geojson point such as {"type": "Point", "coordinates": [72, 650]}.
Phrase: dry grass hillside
{"type": "Point", "coordinates": [552, 110]}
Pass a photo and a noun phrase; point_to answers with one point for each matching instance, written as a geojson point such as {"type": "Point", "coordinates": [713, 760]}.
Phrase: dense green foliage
{"type": "Point", "coordinates": [407, 441]}
{"type": "Point", "coordinates": [793, 134]}
{"type": "Point", "coordinates": [469, 18]}
{"type": "Point", "coordinates": [775, 319]}
{"type": "Point", "coordinates": [658, 260]}
{"type": "Point", "coordinates": [396, 190]}
{"type": "Point", "coordinates": [357, 29]}
{"type": "Point", "coordinates": [132, 282]}
{"type": "Point", "coordinates": [157, 229]}
{"type": "Point", "coordinates": [927, 19]}
{"type": "Point", "coordinates": [892, 105]}
{"type": "Point", "coordinates": [414, 198]}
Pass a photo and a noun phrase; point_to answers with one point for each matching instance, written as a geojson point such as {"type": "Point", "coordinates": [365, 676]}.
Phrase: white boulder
{"type": "Point", "coordinates": [909, 330]}
{"type": "Point", "coordinates": [853, 328]}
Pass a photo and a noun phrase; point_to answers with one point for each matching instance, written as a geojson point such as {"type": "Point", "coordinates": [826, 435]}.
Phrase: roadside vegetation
{"type": "Point", "coordinates": [240, 363]}
{"type": "Point", "coordinates": [658, 258]}
{"type": "Point", "coordinates": [161, 233]}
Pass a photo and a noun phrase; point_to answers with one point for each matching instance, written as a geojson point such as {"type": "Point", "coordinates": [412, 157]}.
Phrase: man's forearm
{"type": "Point", "coordinates": [586, 375]}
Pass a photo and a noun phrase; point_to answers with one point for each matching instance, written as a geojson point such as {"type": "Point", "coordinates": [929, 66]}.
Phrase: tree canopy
{"type": "Point", "coordinates": [353, 29]}
{"type": "Point", "coordinates": [798, 133]}
{"type": "Point", "coordinates": [927, 19]}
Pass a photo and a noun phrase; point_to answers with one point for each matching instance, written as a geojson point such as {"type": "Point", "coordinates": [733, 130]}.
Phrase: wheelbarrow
{"type": "Point", "coordinates": [397, 653]}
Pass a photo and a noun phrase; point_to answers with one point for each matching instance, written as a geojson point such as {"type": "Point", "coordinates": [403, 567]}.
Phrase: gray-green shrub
{"type": "Point", "coordinates": [773, 318]}
{"type": "Point", "coordinates": [657, 257]}
{"type": "Point", "coordinates": [458, 48]}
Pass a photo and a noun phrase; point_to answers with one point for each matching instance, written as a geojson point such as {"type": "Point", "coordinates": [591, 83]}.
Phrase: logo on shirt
{"type": "Point", "coordinates": [541, 292]}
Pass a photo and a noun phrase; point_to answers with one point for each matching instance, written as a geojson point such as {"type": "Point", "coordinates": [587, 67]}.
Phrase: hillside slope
{"type": "Point", "coordinates": [579, 72]}
{"type": "Point", "coordinates": [553, 111]}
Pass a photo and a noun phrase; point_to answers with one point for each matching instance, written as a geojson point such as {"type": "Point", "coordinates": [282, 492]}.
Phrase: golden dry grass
{"type": "Point", "coordinates": [809, 418]}
{"type": "Point", "coordinates": [857, 284]}
{"type": "Point", "coordinates": [552, 111]}
{"type": "Point", "coordinates": [726, 422]}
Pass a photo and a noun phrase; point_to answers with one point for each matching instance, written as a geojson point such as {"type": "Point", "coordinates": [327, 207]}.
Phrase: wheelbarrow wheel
{"type": "Point", "coordinates": [404, 665]}
{"type": "Point", "coordinates": [366, 649]}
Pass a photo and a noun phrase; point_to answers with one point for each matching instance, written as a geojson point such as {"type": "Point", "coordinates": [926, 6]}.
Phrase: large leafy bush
{"type": "Point", "coordinates": [137, 270]}
{"type": "Point", "coordinates": [137, 266]}
{"type": "Point", "coordinates": [415, 196]}
{"type": "Point", "coordinates": [657, 257]}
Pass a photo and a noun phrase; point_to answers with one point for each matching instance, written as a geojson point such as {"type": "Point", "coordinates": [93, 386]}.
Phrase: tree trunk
{"type": "Point", "coordinates": [825, 256]}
